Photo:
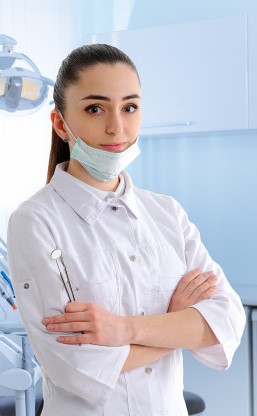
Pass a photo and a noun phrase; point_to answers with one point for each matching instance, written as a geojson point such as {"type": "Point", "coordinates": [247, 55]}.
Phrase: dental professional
{"type": "Point", "coordinates": [113, 281]}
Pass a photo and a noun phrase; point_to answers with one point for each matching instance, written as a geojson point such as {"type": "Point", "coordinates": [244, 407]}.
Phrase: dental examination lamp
{"type": "Point", "coordinates": [23, 90]}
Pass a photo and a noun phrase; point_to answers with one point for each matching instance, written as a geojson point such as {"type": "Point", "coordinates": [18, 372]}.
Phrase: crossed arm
{"type": "Point", "coordinates": [150, 337]}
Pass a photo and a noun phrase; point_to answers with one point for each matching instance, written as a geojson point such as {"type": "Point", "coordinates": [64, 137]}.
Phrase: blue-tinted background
{"type": "Point", "coordinates": [214, 177]}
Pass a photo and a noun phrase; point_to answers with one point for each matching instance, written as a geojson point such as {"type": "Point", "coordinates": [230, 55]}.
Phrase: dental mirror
{"type": "Point", "coordinates": [56, 254]}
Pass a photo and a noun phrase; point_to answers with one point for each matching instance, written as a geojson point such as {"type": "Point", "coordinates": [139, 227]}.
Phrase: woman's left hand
{"type": "Point", "coordinates": [91, 323]}
{"type": "Point", "coordinates": [194, 287]}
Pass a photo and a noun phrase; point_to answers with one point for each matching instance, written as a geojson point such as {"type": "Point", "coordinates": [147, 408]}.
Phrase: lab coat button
{"type": "Point", "coordinates": [132, 258]}
{"type": "Point", "coordinates": [114, 208]}
{"type": "Point", "coordinates": [26, 285]}
{"type": "Point", "coordinates": [148, 370]}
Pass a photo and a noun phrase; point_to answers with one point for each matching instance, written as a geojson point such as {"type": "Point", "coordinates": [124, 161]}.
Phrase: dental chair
{"type": "Point", "coordinates": [194, 403]}
{"type": "Point", "coordinates": [19, 378]}
{"type": "Point", "coordinates": [7, 404]}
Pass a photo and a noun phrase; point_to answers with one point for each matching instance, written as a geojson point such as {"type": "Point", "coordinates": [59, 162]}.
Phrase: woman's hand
{"type": "Point", "coordinates": [91, 324]}
{"type": "Point", "coordinates": [192, 288]}
{"type": "Point", "coordinates": [94, 324]}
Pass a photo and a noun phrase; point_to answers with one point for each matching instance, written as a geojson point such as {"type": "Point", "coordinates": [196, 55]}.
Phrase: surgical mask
{"type": "Point", "coordinates": [100, 164]}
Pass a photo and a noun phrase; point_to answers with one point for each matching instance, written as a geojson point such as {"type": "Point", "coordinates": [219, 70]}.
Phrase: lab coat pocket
{"type": "Point", "coordinates": [167, 271]}
{"type": "Point", "coordinates": [170, 267]}
{"type": "Point", "coordinates": [94, 278]}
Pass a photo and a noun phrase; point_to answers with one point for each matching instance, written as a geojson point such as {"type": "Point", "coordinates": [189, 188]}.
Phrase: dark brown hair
{"type": "Point", "coordinates": [79, 59]}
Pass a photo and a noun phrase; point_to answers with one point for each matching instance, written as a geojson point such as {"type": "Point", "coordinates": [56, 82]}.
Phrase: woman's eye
{"type": "Point", "coordinates": [130, 108]}
{"type": "Point", "coordinates": [93, 109]}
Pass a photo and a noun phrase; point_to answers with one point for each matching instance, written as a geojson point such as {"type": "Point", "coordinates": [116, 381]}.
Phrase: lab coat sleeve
{"type": "Point", "coordinates": [223, 312]}
{"type": "Point", "coordinates": [89, 371]}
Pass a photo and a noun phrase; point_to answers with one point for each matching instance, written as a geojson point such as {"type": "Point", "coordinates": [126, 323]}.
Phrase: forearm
{"type": "Point", "coordinates": [183, 329]}
{"type": "Point", "coordinates": [142, 355]}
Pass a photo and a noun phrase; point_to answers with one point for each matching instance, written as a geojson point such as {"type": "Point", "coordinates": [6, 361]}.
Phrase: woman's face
{"type": "Point", "coordinates": [103, 107]}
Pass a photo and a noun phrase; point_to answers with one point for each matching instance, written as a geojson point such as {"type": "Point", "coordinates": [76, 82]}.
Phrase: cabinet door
{"type": "Point", "coordinates": [193, 74]}
{"type": "Point", "coordinates": [252, 70]}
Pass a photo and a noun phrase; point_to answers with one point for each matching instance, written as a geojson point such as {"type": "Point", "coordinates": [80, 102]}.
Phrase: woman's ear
{"type": "Point", "coordinates": [58, 124]}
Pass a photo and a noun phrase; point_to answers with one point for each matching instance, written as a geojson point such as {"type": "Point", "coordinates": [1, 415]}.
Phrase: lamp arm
{"type": "Point", "coordinates": [22, 56]}
{"type": "Point", "coordinates": [48, 81]}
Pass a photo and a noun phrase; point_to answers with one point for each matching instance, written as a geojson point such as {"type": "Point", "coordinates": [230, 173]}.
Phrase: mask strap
{"type": "Point", "coordinates": [67, 127]}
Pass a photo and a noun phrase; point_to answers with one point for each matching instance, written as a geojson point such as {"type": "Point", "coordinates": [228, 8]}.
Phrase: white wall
{"type": "Point", "coordinates": [46, 31]}
{"type": "Point", "coordinates": [147, 13]}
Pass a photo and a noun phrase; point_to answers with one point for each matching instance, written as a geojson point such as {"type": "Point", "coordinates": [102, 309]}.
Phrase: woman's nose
{"type": "Point", "coordinates": [114, 124]}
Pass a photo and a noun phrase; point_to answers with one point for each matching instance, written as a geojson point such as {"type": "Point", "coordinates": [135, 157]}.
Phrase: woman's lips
{"type": "Point", "coordinates": [114, 147]}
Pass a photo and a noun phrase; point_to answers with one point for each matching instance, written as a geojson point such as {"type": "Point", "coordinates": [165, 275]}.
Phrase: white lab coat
{"type": "Point", "coordinates": [128, 259]}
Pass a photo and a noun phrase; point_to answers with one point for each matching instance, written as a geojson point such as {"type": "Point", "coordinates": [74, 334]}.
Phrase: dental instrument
{"type": "Point", "coordinates": [8, 280]}
{"type": "Point", "coordinates": [56, 255]}
{"type": "Point", "coordinates": [5, 293]}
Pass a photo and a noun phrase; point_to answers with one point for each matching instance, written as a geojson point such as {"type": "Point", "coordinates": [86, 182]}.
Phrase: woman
{"type": "Point", "coordinates": [131, 283]}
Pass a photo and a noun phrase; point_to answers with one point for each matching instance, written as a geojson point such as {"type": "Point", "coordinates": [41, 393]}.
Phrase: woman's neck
{"type": "Point", "coordinates": [78, 171]}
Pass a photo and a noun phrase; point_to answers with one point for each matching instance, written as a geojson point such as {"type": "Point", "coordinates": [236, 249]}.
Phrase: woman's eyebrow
{"type": "Point", "coordinates": [129, 97]}
{"type": "Point", "coordinates": [101, 97]}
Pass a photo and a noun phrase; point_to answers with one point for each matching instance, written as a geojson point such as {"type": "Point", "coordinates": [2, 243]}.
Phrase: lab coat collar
{"type": "Point", "coordinates": [88, 205]}
{"type": "Point", "coordinates": [129, 198]}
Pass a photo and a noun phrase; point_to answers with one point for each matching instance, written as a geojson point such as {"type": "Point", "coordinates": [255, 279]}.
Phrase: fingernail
{"type": "Point", "coordinates": [60, 339]}
{"type": "Point", "coordinates": [50, 326]}
{"type": "Point", "coordinates": [45, 321]}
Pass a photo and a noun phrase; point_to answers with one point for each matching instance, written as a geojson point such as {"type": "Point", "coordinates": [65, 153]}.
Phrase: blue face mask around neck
{"type": "Point", "coordinates": [100, 164]}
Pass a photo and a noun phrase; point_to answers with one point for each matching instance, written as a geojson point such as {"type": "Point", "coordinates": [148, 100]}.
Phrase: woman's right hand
{"type": "Point", "coordinates": [192, 288]}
